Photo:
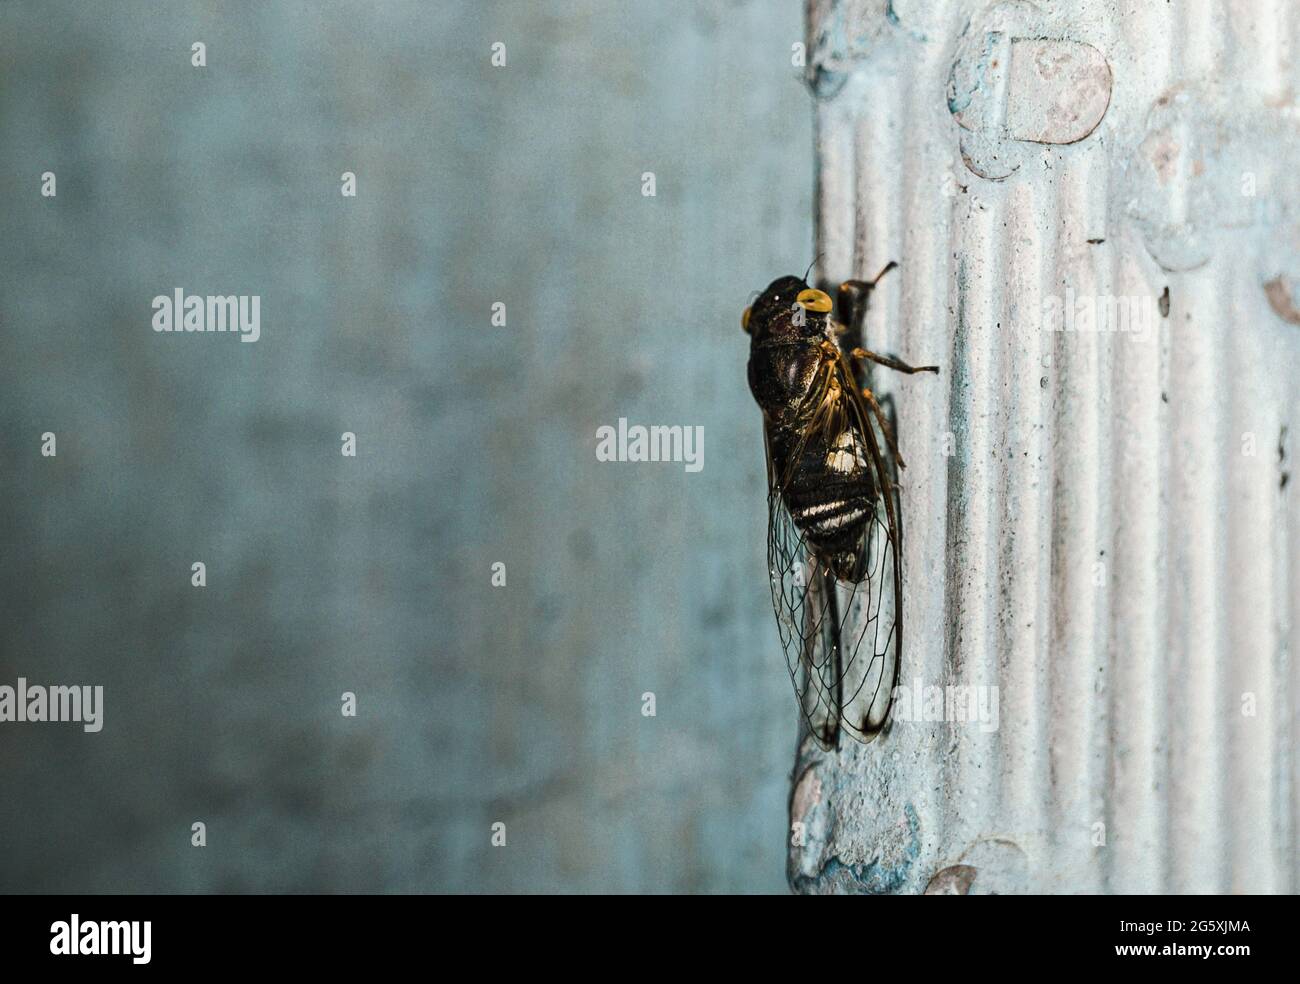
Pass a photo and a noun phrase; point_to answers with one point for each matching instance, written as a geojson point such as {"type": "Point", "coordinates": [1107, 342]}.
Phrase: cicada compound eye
{"type": "Point", "coordinates": [744, 320]}
{"type": "Point", "coordinates": [812, 299]}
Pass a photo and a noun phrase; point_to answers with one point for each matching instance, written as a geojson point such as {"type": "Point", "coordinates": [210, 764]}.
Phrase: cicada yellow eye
{"type": "Point", "coordinates": [812, 299]}
{"type": "Point", "coordinates": [744, 320]}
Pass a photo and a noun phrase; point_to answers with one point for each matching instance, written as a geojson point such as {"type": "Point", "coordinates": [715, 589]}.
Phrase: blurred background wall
{"type": "Point", "coordinates": [475, 444]}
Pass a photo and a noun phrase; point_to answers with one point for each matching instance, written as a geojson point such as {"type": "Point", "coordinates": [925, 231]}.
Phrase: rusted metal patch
{"type": "Point", "coordinates": [954, 880]}
{"type": "Point", "coordinates": [1282, 300]}
{"type": "Point", "coordinates": [1039, 90]}
{"type": "Point", "coordinates": [1058, 90]}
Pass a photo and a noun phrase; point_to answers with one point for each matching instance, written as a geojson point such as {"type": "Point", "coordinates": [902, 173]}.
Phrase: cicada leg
{"type": "Point", "coordinates": [852, 296]}
{"type": "Point", "coordinates": [892, 363]}
{"type": "Point", "coordinates": [885, 429]}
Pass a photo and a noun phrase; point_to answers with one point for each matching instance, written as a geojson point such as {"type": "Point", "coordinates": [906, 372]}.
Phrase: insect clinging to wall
{"type": "Point", "coordinates": [834, 524]}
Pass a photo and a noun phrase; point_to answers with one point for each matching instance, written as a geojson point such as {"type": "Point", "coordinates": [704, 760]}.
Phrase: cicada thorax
{"type": "Point", "coordinates": [821, 461]}
{"type": "Point", "coordinates": [828, 487]}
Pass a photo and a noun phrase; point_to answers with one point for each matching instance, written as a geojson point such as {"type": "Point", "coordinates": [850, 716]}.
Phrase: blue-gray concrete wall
{"type": "Point", "coordinates": [475, 444]}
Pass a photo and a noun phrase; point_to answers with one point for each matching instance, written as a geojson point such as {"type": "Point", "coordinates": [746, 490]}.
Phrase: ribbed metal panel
{"type": "Point", "coordinates": [1087, 528]}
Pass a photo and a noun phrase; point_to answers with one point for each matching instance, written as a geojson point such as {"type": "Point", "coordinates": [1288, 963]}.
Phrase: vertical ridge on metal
{"type": "Point", "coordinates": [1096, 211]}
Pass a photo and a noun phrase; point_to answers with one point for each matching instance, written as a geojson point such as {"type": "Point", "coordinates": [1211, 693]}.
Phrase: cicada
{"type": "Point", "coordinates": [834, 511]}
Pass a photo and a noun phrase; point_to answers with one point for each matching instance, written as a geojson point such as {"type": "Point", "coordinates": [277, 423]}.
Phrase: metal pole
{"type": "Point", "coordinates": [1096, 211]}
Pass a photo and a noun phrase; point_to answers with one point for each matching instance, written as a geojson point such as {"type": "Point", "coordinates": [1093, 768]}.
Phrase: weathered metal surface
{"type": "Point", "coordinates": [1094, 206]}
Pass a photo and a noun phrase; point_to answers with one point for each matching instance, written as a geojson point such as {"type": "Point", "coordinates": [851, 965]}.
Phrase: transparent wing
{"type": "Point", "coordinates": [841, 635]}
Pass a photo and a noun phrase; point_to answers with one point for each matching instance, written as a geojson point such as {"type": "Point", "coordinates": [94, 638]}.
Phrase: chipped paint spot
{"type": "Point", "coordinates": [1002, 865]}
{"type": "Point", "coordinates": [845, 36]}
{"type": "Point", "coordinates": [1058, 90]}
{"type": "Point", "coordinates": [1011, 84]}
{"type": "Point", "coordinates": [954, 880]}
{"type": "Point", "coordinates": [1211, 160]}
{"type": "Point", "coordinates": [851, 33]}
{"type": "Point", "coordinates": [1285, 475]}
{"type": "Point", "coordinates": [807, 794]}
{"type": "Point", "coordinates": [966, 81]}
{"type": "Point", "coordinates": [1281, 300]}
{"type": "Point", "coordinates": [986, 157]}
{"type": "Point", "coordinates": [891, 15]}
{"type": "Point", "coordinates": [1034, 90]}
{"type": "Point", "coordinates": [1162, 152]}
{"type": "Point", "coordinates": [888, 872]}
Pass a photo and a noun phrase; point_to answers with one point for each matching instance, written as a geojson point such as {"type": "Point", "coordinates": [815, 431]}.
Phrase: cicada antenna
{"type": "Point", "coordinates": [811, 265]}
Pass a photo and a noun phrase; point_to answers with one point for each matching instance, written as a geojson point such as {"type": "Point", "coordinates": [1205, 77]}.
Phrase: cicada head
{"type": "Point", "coordinates": [789, 310]}
{"type": "Point", "coordinates": [786, 326]}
